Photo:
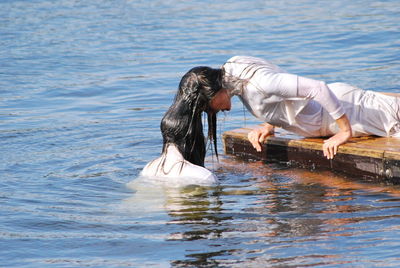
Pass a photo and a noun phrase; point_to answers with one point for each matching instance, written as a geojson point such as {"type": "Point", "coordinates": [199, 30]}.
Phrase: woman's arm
{"type": "Point", "coordinates": [331, 145]}
{"type": "Point", "coordinates": [321, 93]}
{"type": "Point", "coordinates": [271, 81]}
{"type": "Point", "coordinates": [285, 85]}
{"type": "Point", "coordinates": [259, 134]}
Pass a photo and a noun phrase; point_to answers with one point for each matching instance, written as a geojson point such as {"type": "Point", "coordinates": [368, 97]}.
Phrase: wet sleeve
{"type": "Point", "coordinates": [320, 92]}
{"type": "Point", "coordinates": [288, 85]}
{"type": "Point", "coordinates": [276, 84]}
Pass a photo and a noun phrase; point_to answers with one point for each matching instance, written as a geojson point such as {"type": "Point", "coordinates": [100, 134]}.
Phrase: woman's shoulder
{"type": "Point", "coordinates": [151, 168]}
{"type": "Point", "coordinates": [183, 173]}
{"type": "Point", "coordinates": [172, 166]}
{"type": "Point", "coordinates": [198, 174]}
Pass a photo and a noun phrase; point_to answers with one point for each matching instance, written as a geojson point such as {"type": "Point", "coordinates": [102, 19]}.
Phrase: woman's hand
{"type": "Point", "coordinates": [331, 145]}
{"type": "Point", "coordinates": [258, 135]}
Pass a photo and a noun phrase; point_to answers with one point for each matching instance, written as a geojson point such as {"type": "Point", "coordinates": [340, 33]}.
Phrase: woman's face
{"type": "Point", "coordinates": [221, 101]}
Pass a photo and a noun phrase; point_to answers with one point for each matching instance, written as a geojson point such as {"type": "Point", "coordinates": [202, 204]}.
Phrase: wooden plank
{"type": "Point", "coordinates": [370, 158]}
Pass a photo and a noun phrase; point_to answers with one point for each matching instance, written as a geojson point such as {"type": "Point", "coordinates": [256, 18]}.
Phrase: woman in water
{"type": "Point", "coordinates": [184, 147]}
{"type": "Point", "coordinates": [305, 106]}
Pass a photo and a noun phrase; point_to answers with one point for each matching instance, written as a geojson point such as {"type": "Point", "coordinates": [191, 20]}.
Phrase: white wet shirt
{"type": "Point", "coordinates": [171, 167]}
{"type": "Point", "coordinates": [274, 96]}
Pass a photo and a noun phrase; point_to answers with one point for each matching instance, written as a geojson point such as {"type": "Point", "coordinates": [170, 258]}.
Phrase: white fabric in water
{"type": "Point", "coordinates": [172, 167]}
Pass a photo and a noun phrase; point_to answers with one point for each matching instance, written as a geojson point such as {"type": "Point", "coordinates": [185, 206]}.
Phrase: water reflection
{"type": "Point", "coordinates": [194, 212]}
{"type": "Point", "coordinates": [269, 215]}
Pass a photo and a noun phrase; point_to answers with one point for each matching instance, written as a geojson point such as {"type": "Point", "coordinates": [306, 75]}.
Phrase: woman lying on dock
{"type": "Point", "coordinates": [305, 106]}
{"type": "Point", "coordinates": [184, 146]}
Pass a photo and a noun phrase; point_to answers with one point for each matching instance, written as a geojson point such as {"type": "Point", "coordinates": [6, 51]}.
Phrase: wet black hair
{"type": "Point", "coordinates": [182, 123]}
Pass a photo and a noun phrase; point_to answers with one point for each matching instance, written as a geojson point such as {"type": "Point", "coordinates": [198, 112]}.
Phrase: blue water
{"type": "Point", "coordinates": [83, 86]}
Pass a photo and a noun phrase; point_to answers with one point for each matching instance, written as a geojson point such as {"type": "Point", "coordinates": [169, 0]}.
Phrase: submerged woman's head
{"type": "Point", "coordinates": [182, 124]}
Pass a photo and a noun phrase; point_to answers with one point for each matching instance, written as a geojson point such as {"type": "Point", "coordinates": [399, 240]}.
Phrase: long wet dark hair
{"type": "Point", "coordinates": [182, 123]}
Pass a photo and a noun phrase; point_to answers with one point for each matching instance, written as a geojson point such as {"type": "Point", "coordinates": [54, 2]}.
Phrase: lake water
{"type": "Point", "coordinates": [83, 86]}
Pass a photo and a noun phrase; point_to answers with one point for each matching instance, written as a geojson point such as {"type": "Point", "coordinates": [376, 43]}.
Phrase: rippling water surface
{"type": "Point", "coordinates": [83, 86]}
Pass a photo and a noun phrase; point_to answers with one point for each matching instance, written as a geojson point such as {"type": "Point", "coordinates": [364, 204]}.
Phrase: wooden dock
{"type": "Point", "coordinates": [369, 158]}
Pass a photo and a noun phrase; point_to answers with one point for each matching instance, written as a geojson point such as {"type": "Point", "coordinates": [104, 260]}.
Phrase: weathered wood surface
{"type": "Point", "coordinates": [370, 158]}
